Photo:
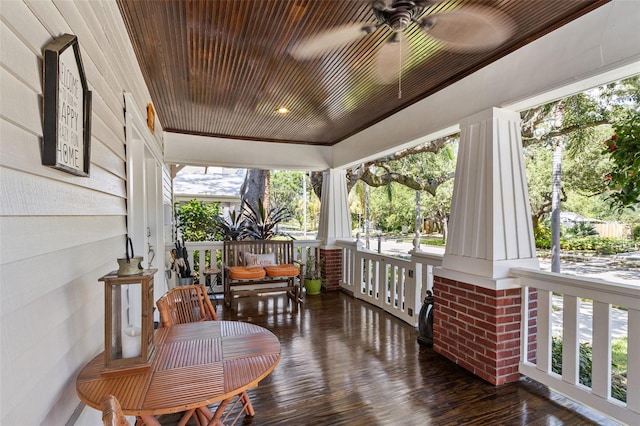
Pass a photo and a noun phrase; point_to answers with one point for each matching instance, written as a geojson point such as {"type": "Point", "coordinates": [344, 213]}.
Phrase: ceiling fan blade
{"type": "Point", "coordinates": [471, 28]}
{"type": "Point", "coordinates": [322, 43]}
{"type": "Point", "coordinates": [390, 58]}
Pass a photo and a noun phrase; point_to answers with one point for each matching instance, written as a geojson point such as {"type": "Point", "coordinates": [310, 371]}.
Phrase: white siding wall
{"type": "Point", "coordinates": [59, 233]}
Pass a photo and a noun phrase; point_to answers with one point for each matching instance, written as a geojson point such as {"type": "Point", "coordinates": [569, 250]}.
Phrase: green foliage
{"type": "Point", "coordinates": [619, 361]}
{"type": "Point", "coordinates": [618, 365]}
{"type": "Point", "coordinates": [262, 224]}
{"type": "Point", "coordinates": [635, 233]}
{"type": "Point", "coordinates": [542, 236]}
{"type": "Point", "coordinates": [585, 368]}
{"type": "Point", "coordinates": [432, 241]}
{"type": "Point", "coordinates": [232, 227]}
{"type": "Point", "coordinates": [580, 230]}
{"type": "Point", "coordinates": [393, 205]}
{"type": "Point", "coordinates": [196, 220]}
{"type": "Point", "coordinates": [598, 245]}
{"type": "Point", "coordinates": [312, 268]}
{"type": "Point", "coordinates": [390, 214]}
{"type": "Point", "coordinates": [624, 150]}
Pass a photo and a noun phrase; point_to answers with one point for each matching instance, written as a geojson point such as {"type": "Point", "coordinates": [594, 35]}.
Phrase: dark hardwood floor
{"type": "Point", "coordinates": [345, 362]}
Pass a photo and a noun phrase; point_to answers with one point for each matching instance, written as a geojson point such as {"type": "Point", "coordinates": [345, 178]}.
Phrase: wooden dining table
{"type": "Point", "coordinates": [195, 365]}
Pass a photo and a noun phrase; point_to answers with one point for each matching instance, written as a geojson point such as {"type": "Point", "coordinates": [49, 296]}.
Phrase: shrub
{"type": "Point", "coordinates": [618, 365]}
{"type": "Point", "coordinates": [542, 235]}
{"type": "Point", "coordinates": [599, 245]}
{"type": "Point", "coordinates": [580, 230]}
{"type": "Point", "coordinates": [635, 233]}
{"type": "Point", "coordinates": [196, 220]}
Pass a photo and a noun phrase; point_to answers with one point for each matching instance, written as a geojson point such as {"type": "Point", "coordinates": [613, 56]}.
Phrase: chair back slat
{"type": "Point", "coordinates": [185, 304]}
{"type": "Point", "coordinates": [112, 414]}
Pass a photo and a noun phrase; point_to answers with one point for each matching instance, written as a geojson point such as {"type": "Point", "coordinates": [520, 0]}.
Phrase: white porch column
{"type": "Point", "coordinates": [490, 227]}
{"type": "Point", "coordinates": [335, 221]}
{"type": "Point", "coordinates": [477, 307]}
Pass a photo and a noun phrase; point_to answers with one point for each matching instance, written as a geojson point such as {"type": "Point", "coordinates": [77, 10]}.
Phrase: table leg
{"type": "Point", "coordinates": [215, 420]}
{"type": "Point", "coordinates": [185, 418]}
{"type": "Point", "coordinates": [246, 404]}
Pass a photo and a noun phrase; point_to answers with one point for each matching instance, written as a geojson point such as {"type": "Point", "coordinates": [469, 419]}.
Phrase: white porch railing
{"type": "Point", "coordinates": [537, 363]}
{"type": "Point", "coordinates": [396, 285]}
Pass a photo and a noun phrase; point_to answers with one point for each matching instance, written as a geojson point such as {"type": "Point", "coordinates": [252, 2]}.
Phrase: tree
{"type": "Point", "coordinates": [286, 190]}
{"type": "Point", "coordinates": [586, 116]}
{"type": "Point", "coordinates": [624, 150]}
{"type": "Point", "coordinates": [196, 220]}
{"type": "Point", "coordinates": [382, 171]}
{"type": "Point", "coordinates": [255, 188]}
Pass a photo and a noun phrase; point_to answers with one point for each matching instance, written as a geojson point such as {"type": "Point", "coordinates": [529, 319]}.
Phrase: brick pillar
{"type": "Point", "coordinates": [478, 328]}
{"type": "Point", "coordinates": [331, 268]}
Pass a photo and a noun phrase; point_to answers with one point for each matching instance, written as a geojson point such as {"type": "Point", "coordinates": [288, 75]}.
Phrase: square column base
{"type": "Point", "coordinates": [331, 268]}
{"type": "Point", "coordinates": [478, 328]}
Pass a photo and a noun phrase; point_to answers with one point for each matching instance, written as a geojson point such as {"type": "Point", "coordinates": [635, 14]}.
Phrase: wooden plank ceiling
{"type": "Point", "coordinates": [223, 67]}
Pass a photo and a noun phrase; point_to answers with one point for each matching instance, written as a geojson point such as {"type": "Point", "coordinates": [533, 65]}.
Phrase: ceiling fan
{"type": "Point", "coordinates": [468, 29]}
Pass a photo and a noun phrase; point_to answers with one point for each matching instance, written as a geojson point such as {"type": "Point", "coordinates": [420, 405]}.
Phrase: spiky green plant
{"type": "Point", "coordinates": [262, 224]}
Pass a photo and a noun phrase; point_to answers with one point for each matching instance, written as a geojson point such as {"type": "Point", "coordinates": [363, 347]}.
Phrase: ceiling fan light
{"type": "Point", "coordinates": [427, 23]}
{"type": "Point", "coordinates": [368, 29]}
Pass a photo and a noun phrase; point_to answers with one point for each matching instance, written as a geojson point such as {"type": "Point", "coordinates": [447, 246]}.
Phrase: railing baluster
{"type": "Point", "coordinates": [601, 362]}
{"type": "Point", "coordinates": [544, 331]}
{"type": "Point", "coordinates": [570, 341]}
{"type": "Point", "coordinates": [633, 366]}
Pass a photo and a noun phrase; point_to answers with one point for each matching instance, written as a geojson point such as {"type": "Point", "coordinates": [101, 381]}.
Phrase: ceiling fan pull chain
{"type": "Point", "coordinates": [400, 73]}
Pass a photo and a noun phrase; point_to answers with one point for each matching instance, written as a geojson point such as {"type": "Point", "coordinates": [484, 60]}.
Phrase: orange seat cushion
{"type": "Point", "coordinates": [244, 273]}
{"type": "Point", "coordinates": [284, 270]}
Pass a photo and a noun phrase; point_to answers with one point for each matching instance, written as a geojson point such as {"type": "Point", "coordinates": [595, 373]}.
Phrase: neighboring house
{"type": "Point", "coordinates": [571, 219]}
{"type": "Point", "coordinates": [604, 229]}
{"type": "Point", "coordinates": [211, 184]}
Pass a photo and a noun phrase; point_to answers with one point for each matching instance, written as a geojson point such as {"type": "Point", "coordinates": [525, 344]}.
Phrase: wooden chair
{"type": "Point", "coordinates": [112, 414]}
{"type": "Point", "coordinates": [189, 303]}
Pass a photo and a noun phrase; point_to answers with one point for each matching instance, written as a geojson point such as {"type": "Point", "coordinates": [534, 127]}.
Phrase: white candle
{"type": "Point", "coordinates": [131, 342]}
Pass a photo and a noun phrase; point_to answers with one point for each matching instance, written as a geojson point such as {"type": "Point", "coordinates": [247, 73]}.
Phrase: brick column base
{"type": "Point", "coordinates": [478, 328]}
{"type": "Point", "coordinates": [331, 268]}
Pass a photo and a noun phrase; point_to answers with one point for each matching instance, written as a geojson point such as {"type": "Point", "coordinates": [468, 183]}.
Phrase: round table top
{"type": "Point", "coordinates": [194, 365]}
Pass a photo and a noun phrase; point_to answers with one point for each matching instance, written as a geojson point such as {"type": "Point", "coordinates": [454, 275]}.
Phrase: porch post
{"type": "Point", "coordinates": [334, 223]}
{"type": "Point", "coordinates": [477, 305]}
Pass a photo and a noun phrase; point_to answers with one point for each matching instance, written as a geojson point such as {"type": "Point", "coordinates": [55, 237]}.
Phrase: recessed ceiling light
{"type": "Point", "coordinates": [283, 110]}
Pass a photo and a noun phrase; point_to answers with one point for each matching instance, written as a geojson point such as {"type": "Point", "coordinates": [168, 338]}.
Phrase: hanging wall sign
{"type": "Point", "coordinates": [67, 108]}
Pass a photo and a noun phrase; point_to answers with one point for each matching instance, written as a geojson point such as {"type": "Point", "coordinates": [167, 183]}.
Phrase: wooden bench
{"type": "Point", "coordinates": [234, 254]}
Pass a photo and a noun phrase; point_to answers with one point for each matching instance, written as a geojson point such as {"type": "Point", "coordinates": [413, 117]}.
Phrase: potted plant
{"type": "Point", "coordinates": [312, 280]}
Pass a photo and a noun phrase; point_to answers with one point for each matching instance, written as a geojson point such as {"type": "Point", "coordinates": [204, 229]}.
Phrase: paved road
{"type": "Point", "coordinates": [594, 269]}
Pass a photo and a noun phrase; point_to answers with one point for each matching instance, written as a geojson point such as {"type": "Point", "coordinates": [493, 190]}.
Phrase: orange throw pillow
{"type": "Point", "coordinates": [284, 270]}
{"type": "Point", "coordinates": [244, 273]}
